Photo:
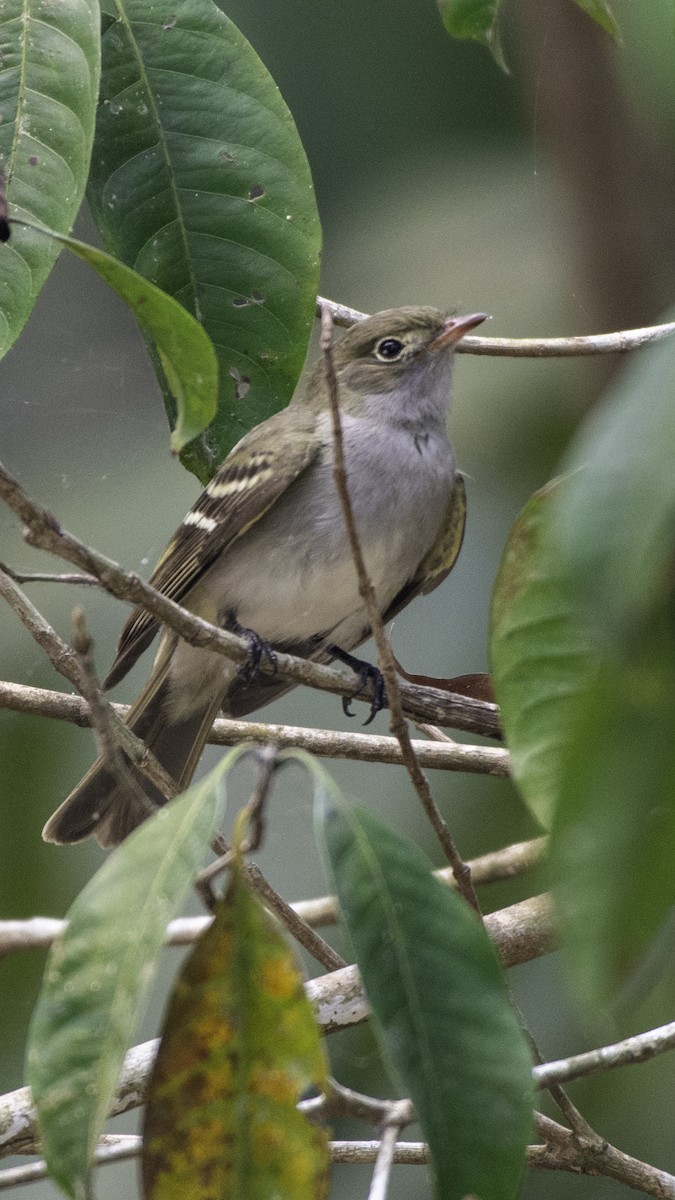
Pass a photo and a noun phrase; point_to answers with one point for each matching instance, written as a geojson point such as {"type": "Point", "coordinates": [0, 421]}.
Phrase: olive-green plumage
{"type": "Point", "coordinates": [265, 547]}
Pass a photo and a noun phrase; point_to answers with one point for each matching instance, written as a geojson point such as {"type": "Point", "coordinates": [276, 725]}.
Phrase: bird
{"type": "Point", "coordinates": [264, 550]}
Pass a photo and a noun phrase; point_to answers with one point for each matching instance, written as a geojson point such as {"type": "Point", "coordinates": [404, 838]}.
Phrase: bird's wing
{"type": "Point", "coordinates": [250, 480]}
{"type": "Point", "coordinates": [441, 558]}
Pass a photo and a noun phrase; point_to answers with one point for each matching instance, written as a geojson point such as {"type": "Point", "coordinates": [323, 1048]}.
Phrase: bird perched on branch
{"type": "Point", "coordinates": [264, 550]}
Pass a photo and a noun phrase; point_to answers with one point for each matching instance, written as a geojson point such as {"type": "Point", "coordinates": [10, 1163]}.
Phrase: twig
{"type": "Point", "coordinates": [297, 927]}
{"type": "Point", "coordinates": [43, 530]}
{"type": "Point", "coordinates": [564, 1151]}
{"type": "Point", "coordinates": [64, 659]}
{"type": "Point", "coordinates": [103, 718]}
{"type": "Point", "coordinates": [387, 663]}
{"type": "Point", "coordinates": [639, 1048]}
{"type": "Point", "coordinates": [61, 656]}
{"type": "Point", "coordinates": [397, 1119]}
{"type": "Point", "coordinates": [338, 1000]}
{"type": "Point", "coordinates": [47, 577]}
{"type": "Point", "coordinates": [558, 347]}
{"type": "Point", "coordinates": [583, 1132]}
{"type": "Point", "coordinates": [269, 762]}
{"type": "Point", "coordinates": [327, 743]}
{"type": "Point", "coordinates": [300, 930]}
{"type": "Point", "coordinates": [562, 1155]}
{"type": "Point", "coordinates": [112, 1147]}
{"type": "Point", "coordinates": [38, 933]}
{"type": "Point", "coordinates": [340, 1101]}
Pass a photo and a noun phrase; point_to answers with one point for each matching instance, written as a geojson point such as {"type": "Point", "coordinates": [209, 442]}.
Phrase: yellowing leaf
{"type": "Point", "coordinates": [240, 1046]}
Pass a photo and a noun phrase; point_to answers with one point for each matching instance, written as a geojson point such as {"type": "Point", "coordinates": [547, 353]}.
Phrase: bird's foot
{"type": "Point", "coordinates": [258, 648]}
{"type": "Point", "coordinates": [367, 674]}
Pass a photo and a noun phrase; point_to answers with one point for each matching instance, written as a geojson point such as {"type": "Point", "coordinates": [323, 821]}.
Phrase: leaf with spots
{"type": "Point", "coordinates": [99, 971]}
{"type": "Point", "coordinates": [49, 74]}
{"type": "Point", "coordinates": [239, 1047]}
{"type": "Point", "coordinates": [199, 181]}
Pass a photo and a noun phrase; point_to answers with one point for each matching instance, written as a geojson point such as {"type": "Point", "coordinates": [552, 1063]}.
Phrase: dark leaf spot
{"type": "Point", "coordinates": [257, 297]}
{"type": "Point", "coordinates": [256, 191]}
{"type": "Point", "coordinates": [33, 160]}
{"type": "Point", "coordinates": [226, 156]}
{"type": "Point", "coordinates": [241, 302]}
{"type": "Point", "coordinates": [170, 22]}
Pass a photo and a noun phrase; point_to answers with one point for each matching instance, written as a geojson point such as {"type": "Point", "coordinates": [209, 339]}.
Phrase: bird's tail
{"type": "Point", "coordinates": [110, 808]}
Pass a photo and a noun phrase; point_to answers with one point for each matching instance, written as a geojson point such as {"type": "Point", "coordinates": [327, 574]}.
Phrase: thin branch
{"type": "Point", "coordinates": [47, 577]}
{"type": "Point", "coordinates": [565, 1151]}
{"type": "Point", "coordinates": [340, 1101]}
{"type": "Point", "coordinates": [38, 933]}
{"type": "Point", "coordinates": [423, 703]}
{"type": "Point", "coordinates": [66, 662]}
{"type": "Point", "coordinates": [61, 656]}
{"type": "Point", "coordinates": [297, 927]}
{"type": "Point", "coordinates": [563, 1155]}
{"type": "Point", "coordinates": [365, 1152]}
{"type": "Point", "coordinates": [103, 718]}
{"type": "Point", "coordinates": [111, 1148]}
{"type": "Point", "coordinates": [558, 347]}
{"type": "Point", "coordinates": [397, 1119]}
{"type": "Point", "coordinates": [583, 1132]}
{"type": "Point", "coordinates": [327, 743]}
{"type": "Point", "coordinates": [639, 1048]}
{"type": "Point", "coordinates": [288, 914]}
{"type": "Point", "coordinates": [338, 1000]}
{"type": "Point", "coordinates": [398, 724]}
{"type": "Point", "coordinates": [629, 1171]}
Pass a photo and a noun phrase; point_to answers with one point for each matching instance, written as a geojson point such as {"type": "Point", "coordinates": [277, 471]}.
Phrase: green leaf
{"type": "Point", "coordinates": [477, 20]}
{"type": "Point", "coordinates": [184, 348]}
{"type": "Point", "coordinates": [442, 1013]}
{"type": "Point", "coordinates": [540, 655]}
{"type": "Point", "coordinates": [50, 58]}
{"type": "Point", "coordinates": [199, 181]}
{"type": "Point", "coordinates": [615, 523]}
{"type": "Point", "coordinates": [614, 535]}
{"type": "Point", "coordinates": [613, 843]}
{"type": "Point", "coordinates": [98, 973]}
{"type": "Point", "coordinates": [602, 14]}
{"type": "Point", "coordinates": [239, 1047]}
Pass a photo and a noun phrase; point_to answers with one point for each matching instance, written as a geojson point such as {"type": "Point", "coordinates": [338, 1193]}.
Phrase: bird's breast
{"type": "Point", "coordinates": [291, 577]}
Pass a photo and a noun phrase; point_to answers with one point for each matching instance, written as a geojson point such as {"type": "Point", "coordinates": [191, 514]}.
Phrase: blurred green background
{"type": "Point", "coordinates": [545, 198]}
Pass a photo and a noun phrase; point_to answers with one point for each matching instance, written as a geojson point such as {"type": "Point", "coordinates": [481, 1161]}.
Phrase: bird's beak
{"type": "Point", "coordinates": [454, 329]}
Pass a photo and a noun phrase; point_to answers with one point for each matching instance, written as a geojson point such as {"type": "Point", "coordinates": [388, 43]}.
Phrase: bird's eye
{"type": "Point", "coordinates": [389, 349]}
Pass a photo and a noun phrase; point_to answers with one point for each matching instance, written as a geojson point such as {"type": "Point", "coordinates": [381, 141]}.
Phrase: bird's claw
{"type": "Point", "coordinates": [258, 649]}
{"type": "Point", "coordinates": [367, 674]}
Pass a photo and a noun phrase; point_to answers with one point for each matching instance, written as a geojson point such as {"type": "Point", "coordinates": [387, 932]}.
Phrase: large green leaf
{"type": "Point", "coordinates": [613, 844]}
{"type": "Point", "coordinates": [540, 656]}
{"type": "Point", "coordinates": [615, 523]}
{"type": "Point", "coordinates": [98, 974]}
{"type": "Point", "coordinates": [614, 537]}
{"type": "Point", "coordinates": [49, 73]}
{"type": "Point", "coordinates": [239, 1047]}
{"type": "Point", "coordinates": [199, 181]}
{"type": "Point", "coordinates": [441, 1008]}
